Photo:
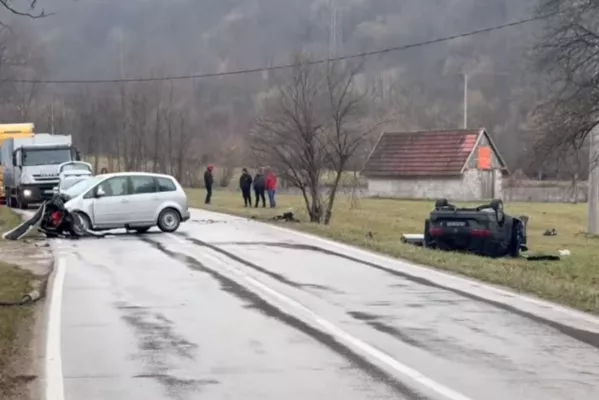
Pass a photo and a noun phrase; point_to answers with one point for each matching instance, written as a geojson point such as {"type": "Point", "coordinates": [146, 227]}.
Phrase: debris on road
{"type": "Point", "coordinates": [53, 220]}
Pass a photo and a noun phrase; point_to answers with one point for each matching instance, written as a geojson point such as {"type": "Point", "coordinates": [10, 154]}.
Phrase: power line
{"type": "Point", "coordinates": [286, 66]}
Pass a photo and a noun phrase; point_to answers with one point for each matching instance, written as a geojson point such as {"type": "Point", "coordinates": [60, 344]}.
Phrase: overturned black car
{"type": "Point", "coordinates": [485, 230]}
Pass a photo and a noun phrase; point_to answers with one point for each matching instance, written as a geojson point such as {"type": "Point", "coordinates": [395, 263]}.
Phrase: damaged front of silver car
{"type": "Point", "coordinates": [52, 218]}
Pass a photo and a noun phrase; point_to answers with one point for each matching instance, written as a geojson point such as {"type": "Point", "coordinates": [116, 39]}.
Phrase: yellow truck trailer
{"type": "Point", "coordinates": [8, 131]}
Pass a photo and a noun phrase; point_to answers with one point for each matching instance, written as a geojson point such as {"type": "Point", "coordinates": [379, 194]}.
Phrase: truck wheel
{"type": "Point", "coordinates": [8, 195]}
{"type": "Point", "coordinates": [22, 204]}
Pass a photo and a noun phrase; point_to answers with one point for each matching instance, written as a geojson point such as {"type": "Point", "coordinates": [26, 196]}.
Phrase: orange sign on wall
{"type": "Point", "coordinates": [485, 158]}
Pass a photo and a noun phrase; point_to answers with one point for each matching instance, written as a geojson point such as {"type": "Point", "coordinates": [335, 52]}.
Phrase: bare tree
{"type": "Point", "coordinates": [350, 123]}
{"type": "Point", "coordinates": [569, 54]}
{"type": "Point", "coordinates": [315, 122]}
{"type": "Point", "coordinates": [24, 8]}
{"type": "Point", "coordinates": [290, 133]}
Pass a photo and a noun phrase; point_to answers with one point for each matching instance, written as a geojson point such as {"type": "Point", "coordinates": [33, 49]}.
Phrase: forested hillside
{"type": "Point", "coordinates": [423, 86]}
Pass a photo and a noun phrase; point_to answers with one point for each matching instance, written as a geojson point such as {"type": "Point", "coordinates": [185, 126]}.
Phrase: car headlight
{"type": "Point", "coordinates": [26, 193]}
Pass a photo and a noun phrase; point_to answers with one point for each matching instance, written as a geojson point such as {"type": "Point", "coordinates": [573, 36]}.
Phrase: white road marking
{"type": "Point", "coordinates": [339, 333]}
{"type": "Point", "coordinates": [54, 377]}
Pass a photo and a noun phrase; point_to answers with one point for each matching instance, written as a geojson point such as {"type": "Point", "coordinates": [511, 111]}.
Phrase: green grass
{"type": "Point", "coordinates": [573, 281]}
{"type": "Point", "coordinates": [14, 282]}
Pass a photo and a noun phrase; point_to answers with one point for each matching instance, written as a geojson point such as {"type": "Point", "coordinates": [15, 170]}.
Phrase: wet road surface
{"type": "Point", "coordinates": [231, 309]}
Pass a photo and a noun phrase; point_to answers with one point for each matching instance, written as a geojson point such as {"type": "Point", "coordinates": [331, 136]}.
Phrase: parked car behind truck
{"type": "Point", "coordinates": [31, 167]}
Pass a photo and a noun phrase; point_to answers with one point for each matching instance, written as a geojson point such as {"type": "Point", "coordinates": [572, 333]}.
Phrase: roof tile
{"type": "Point", "coordinates": [421, 154]}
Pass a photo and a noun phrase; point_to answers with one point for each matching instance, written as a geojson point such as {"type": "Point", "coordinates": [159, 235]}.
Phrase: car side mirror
{"type": "Point", "coordinates": [100, 192]}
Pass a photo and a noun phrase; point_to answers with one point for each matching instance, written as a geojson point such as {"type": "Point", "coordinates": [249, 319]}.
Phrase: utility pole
{"type": "Point", "coordinates": [121, 53]}
{"type": "Point", "coordinates": [465, 101]}
{"type": "Point", "coordinates": [52, 131]}
{"type": "Point", "coordinates": [593, 195]}
{"type": "Point", "coordinates": [333, 29]}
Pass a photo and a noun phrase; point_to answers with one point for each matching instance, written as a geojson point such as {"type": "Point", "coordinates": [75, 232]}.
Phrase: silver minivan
{"type": "Point", "coordinates": [131, 200]}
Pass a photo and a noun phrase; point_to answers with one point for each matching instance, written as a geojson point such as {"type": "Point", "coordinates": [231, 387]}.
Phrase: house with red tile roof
{"type": "Point", "coordinates": [459, 165]}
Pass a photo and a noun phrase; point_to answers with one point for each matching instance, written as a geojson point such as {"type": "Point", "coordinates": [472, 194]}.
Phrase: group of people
{"type": "Point", "coordinates": [263, 183]}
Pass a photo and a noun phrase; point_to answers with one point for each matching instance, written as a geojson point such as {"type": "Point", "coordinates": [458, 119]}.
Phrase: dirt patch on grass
{"type": "Point", "coordinates": [24, 269]}
{"type": "Point", "coordinates": [377, 224]}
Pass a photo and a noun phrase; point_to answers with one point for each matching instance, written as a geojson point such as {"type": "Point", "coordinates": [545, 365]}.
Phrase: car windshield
{"type": "Point", "coordinates": [32, 157]}
{"type": "Point", "coordinates": [82, 186]}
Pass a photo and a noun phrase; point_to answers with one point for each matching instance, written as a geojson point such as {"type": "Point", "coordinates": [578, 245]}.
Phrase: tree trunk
{"type": "Point", "coordinates": [332, 195]}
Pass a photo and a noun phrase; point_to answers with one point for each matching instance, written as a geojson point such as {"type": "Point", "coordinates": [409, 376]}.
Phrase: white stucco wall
{"type": "Point", "coordinates": [498, 185]}
{"type": "Point", "coordinates": [466, 188]}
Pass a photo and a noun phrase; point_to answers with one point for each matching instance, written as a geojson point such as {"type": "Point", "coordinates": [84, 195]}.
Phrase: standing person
{"type": "Point", "coordinates": [208, 181]}
{"type": "Point", "coordinates": [271, 188]}
{"type": "Point", "coordinates": [260, 187]}
{"type": "Point", "coordinates": [245, 184]}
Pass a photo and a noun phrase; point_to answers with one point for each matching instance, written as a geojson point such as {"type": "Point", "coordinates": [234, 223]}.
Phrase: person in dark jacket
{"type": "Point", "coordinates": [260, 187]}
{"type": "Point", "coordinates": [245, 184]}
{"type": "Point", "coordinates": [208, 182]}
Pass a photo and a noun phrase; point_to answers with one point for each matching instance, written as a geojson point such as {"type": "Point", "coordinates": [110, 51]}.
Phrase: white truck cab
{"type": "Point", "coordinates": [31, 167]}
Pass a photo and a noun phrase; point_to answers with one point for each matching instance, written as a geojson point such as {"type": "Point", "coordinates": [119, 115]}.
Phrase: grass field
{"type": "Point", "coordinates": [14, 282]}
{"type": "Point", "coordinates": [573, 281]}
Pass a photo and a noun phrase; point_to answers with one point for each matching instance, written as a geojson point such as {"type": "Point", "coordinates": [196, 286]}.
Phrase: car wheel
{"type": "Point", "coordinates": [83, 222]}
{"type": "Point", "coordinates": [428, 239]}
{"type": "Point", "coordinates": [441, 203]}
{"type": "Point", "coordinates": [169, 220]}
{"type": "Point", "coordinates": [517, 239]}
{"type": "Point", "coordinates": [497, 205]}
{"type": "Point", "coordinates": [141, 230]}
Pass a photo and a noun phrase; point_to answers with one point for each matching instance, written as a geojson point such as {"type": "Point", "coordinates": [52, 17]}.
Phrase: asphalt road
{"type": "Point", "coordinates": [231, 309]}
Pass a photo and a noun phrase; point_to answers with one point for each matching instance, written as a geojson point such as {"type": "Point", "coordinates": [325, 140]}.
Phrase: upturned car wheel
{"type": "Point", "coordinates": [169, 220]}
{"type": "Point", "coordinates": [497, 205]}
{"type": "Point", "coordinates": [441, 203]}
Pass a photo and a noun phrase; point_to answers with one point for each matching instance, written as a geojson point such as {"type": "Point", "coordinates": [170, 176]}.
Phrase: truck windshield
{"type": "Point", "coordinates": [33, 157]}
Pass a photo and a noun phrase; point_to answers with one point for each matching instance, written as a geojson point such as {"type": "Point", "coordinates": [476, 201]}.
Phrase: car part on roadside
{"type": "Point", "coordinates": [53, 220]}
{"type": "Point", "coordinates": [286, 216]}
{"type": "Point", "coordinates": [485, 230]}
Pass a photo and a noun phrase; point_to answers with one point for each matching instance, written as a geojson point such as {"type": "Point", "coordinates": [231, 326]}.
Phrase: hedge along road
{"type": "Point", "coordinates": [231, 308]}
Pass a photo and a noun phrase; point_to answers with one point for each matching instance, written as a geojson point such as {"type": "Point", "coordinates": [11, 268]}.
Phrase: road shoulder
{"type": "Point", "coordinates": [24, 270]}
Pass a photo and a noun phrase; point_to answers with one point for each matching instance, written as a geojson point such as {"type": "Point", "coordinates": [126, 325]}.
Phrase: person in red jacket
{"type": "Point", "coordinates": [271, 188]}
